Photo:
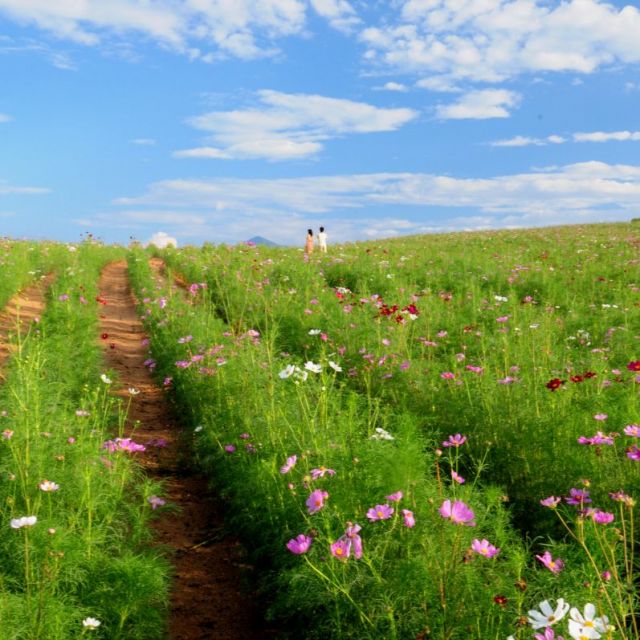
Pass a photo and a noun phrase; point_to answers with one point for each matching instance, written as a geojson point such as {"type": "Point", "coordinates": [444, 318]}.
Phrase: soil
{"type": "Point", "coordinates": [20, 313]}
{"type": "Point", "coordinates": [208, 601]}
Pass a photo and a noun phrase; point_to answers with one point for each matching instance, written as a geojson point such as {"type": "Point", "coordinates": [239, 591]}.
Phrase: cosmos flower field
{"type": "Point", "coordinates": [428, 437]}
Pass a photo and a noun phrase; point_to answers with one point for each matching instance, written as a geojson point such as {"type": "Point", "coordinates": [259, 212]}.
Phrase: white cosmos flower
{"type": "Point", "coordinates": [91, 623]}
{"type": "Point", "coordinates": [287, 372]}
{"type": "Point", "coordinates": [105, 378]}
{"type": "Point", "coordinates": [547, 616]}
{"type": "Point", "coordinates": [25, 521]}
{"type": "Point", "coordinates": [335, 366]}
{"type": "Point", "coordinates": [315, 332]}
{"type": "Point", "coordinates": [381, 434]}
{"type": "Point", "coordinates": [133, 391]}
{"type": "Point", "coordinates": [587, 625]}
{"type": "Point", "coordinates": [578, 632]}
{"type": "Point", "coordinates": [47, 485]}
{"type": "Point", "coordinates": [311, 366]}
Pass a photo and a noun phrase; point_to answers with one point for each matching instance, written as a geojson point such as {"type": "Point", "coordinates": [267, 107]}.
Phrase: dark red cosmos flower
{"type": "Point", "coordinates": [576, 378]}
{"type": "Point", "coordinates": [634, 365]}
{"type": "Point", "coordinates": [589, 374]}
{"type": "Point", "coordinates": [554, 383]}
{"type": "Point", "coordinates": [104, 336]}
{"type": "Point", "coordinates": [501, 600]}
{"type": "Point", "coordinates": [386, 310]}
{"type": "Point", "coordinates": [112, 345]}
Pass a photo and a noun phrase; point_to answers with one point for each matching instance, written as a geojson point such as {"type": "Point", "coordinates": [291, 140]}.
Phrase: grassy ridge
{"type": "Point", "coordinates": [74, 517]}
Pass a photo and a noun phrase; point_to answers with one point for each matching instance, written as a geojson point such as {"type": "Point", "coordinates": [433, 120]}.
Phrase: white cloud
{"type": "Point", "coordinates": [439, 84]}
{"type": "Point", "coordinates": [593, 136]}
{"type": "Point", "coordinates": [604, 136]}
{"type": "Point", "coordinates": [5, 118]}
{"type": "Point", "coordinates": [523, 141]}
{"type": "Point", "coordinates": [494, 40]}
{"type": "Point", "coordinates": [7, 189]}
{"type": "Point", "coordinates": [161, 240]}
{"type": "Point", "coordinates": [393, 86]}
{"type": "Point", "coordinates": [288, 126]}
{"type": "Point", "coordinates": [242, 28]}
{"type": "Point", "coordinates": [480, 105]}
{"type": "Point", "coordinates": [340, 14]}
{"type": "Point", "coordinates": [233, 209]}
{"type": "Point", "coordinates": [143, 141]}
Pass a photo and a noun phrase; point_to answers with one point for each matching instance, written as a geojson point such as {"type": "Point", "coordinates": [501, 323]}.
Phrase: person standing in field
{"type": "Point", "coordinates": [308, 247]}
{"type": "Point", "coordinates": [322, 240]}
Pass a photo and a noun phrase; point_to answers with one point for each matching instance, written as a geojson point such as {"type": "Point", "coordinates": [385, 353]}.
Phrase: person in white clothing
{"type": "Point", "coordinates": [322, 240]}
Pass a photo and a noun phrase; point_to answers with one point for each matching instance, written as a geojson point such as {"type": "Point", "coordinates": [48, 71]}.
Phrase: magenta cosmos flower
{"type": "Point", "coordinates": [484, 548]}
{"type": "Point", "coordinates": [455, 441]}
{"type": "Point", "coordinates": [394, 497]}
{"type": "Point", "coordinates": [409, 518]}
{"type": "Point", "coordinates": [156, 502]}
{"type": "Point", "coordinates": [315, 501]}
{"type": "Point", "coordinates": [458, 512]}
{"type": "Point", "coordinates": [300, 544]}
{"type": "Point", "coordinates": [289, 464]}
{"type": "Point", "coordinates": [347, 543]}
{"type": "Point", "coordinates": [380, 512]}
{"type": "Point", "coordinates": [555, 566]}
{"type": "Point", "coordinates": [551, 502]}
{"type": "Point", "coordinates": [321, 472]}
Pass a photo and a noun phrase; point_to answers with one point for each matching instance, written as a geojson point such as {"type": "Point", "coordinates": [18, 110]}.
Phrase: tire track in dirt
{"type": "Point", "coordinates": [207, 601]}
{"type": "Point", "coordinates": [20, 313]}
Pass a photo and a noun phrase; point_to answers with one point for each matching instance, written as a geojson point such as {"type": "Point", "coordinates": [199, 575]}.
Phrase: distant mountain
{"type": "Point", "coordinates": [262, 241]}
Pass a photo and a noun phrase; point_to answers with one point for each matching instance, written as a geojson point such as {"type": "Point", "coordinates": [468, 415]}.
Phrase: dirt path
{"type": "Point", "coordinates": [20, 313]}
{"type": "Point", "coordinates": [207, 602]}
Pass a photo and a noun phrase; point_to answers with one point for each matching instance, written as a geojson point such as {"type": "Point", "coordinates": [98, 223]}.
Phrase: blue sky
{"type": "Point", "coordinates": [218, 120]}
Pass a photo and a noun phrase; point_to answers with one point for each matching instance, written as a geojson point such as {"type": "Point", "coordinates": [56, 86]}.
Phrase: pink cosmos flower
{"type": "Point", "coordinates": [456, 477]}
{"type": "Point", "coordinates": [600, 416]}
{"type": "Point", "coordinates": [350, 541]}
{"type": "Point", "coordinates": [123, 444]}
{"type": "Point", "coordinates": [447, 375]}
{"type": "Point", "coordinates": [409, 519]}
{"type": "Point", "coordinates": [555, 566]}
{"type": "Point", "coordinates": [475, 369]}
{"type": "Point", "coordinates": [507, 380]}
{"type": "Point", "coordinates": [633, 453]}
{"type": "Point", "coordinates": [321, 472]}
{"type": "Point", "coordinates": [156, 502]}
{"type": "Point", "coordinates": [578, 497]}
{"type": "Point", "coordinates": [549, 634]}
{"type": "Point", "coordinates": [601, 517]}
{"type": "Point", "coordinates": [394, 497]}
{"type": "Point", "coordinates": [484, 548]}
{"type": "Point", "coordinates": [300, 544]}
{"type": "Point", "coordinates": [502, 319]}
{"type": "Point", "coordinates": [380, 512]}
{"type": "Point", "coordinates": [341, 549]}
{"type": "Point", "coordinates": [621, 496]}
{"type": "Point", "coordinates": [632, 430]}
{"type": "Point", "coordinates": [458, 512]}
{"type": "Point", "coordinates": [316, 499]}
{"type": "Point", "coordinates": [229, 448]}
{"type": "Point", "coordinates": [551, 502]}
{"type": "Point", "coordinates": [599, 439]}
{"type": "Point", "coordinates": [289, 464]}
{"type": "Point", "coordinates": [455, 441]}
